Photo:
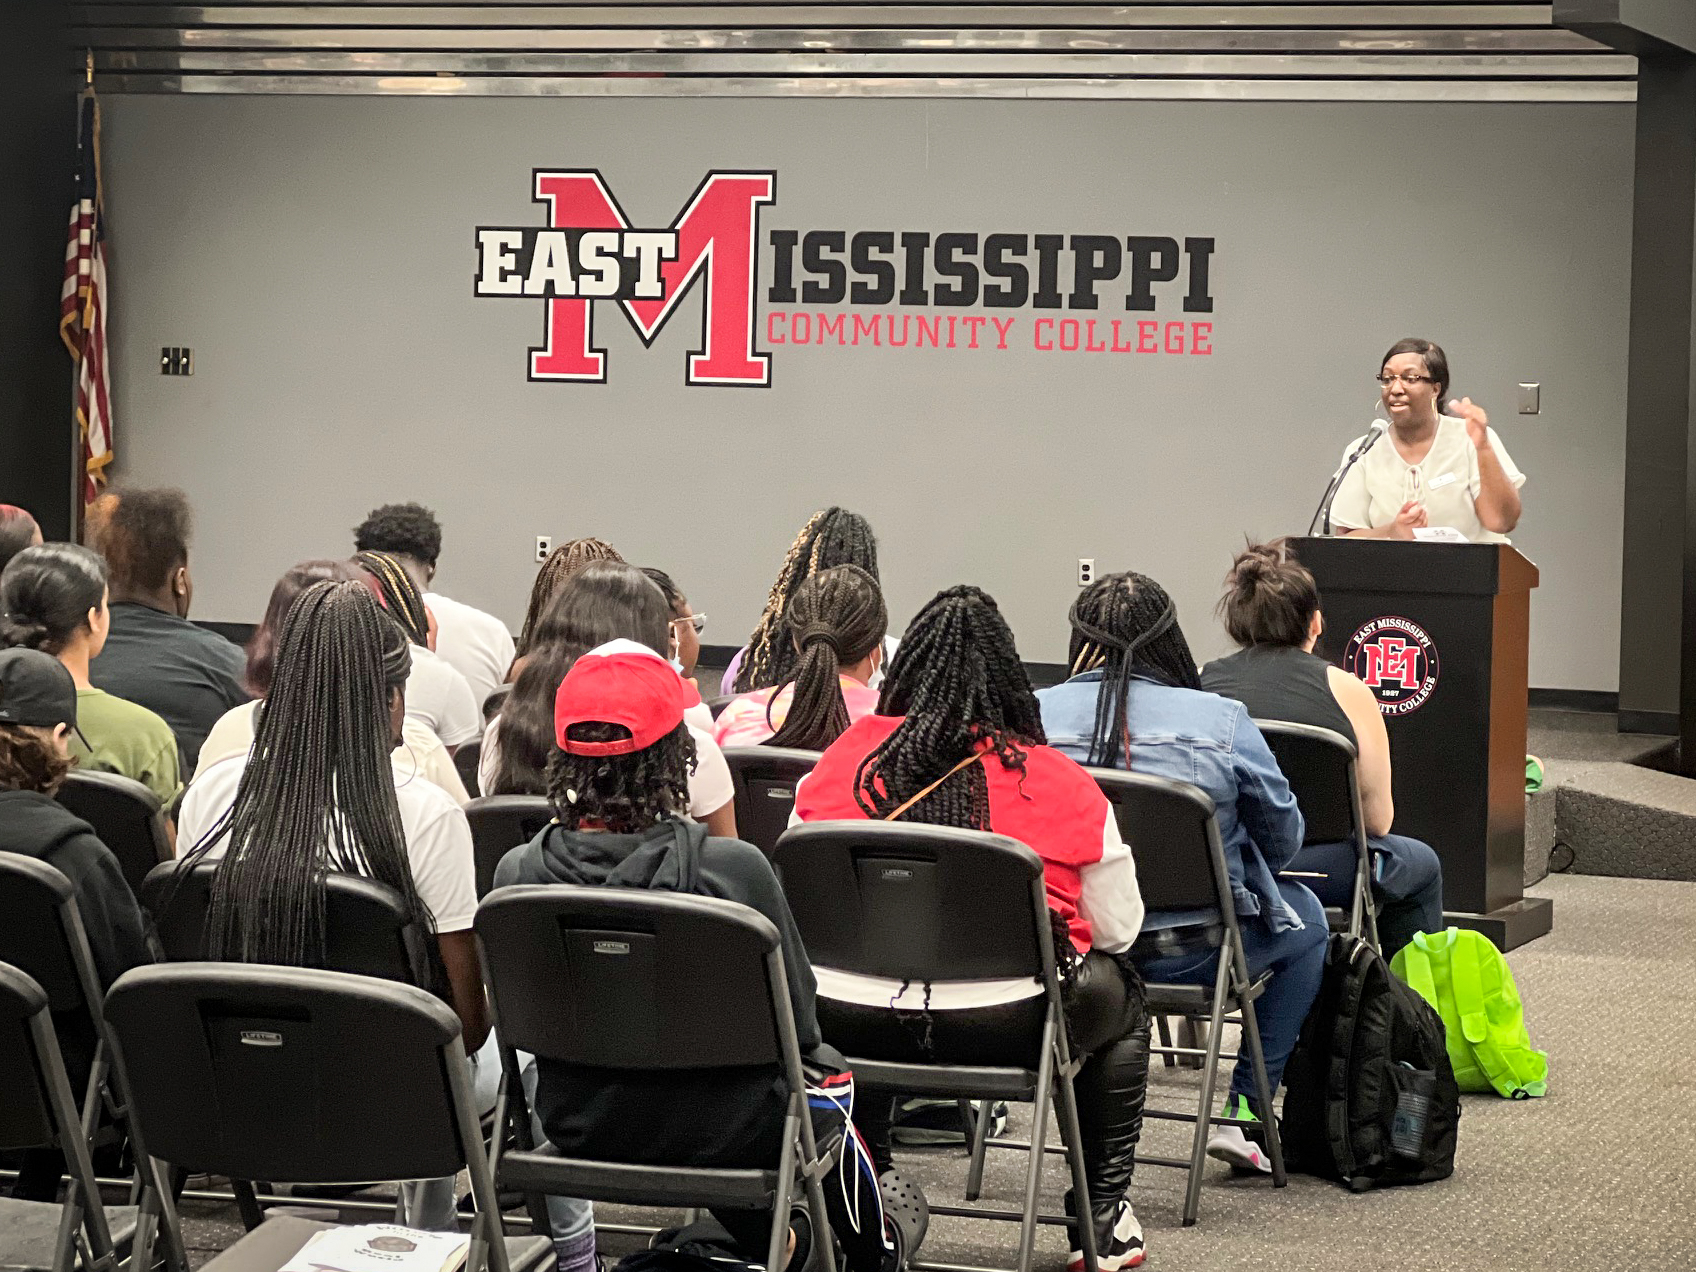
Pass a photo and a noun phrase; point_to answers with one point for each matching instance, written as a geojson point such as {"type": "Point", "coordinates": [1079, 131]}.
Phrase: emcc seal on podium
{"type": "Point", "coordinates": [1397, 660]}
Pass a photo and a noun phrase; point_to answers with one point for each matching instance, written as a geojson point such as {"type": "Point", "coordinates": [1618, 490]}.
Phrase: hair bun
{"type": "Point", "coordinates": [24, 633]}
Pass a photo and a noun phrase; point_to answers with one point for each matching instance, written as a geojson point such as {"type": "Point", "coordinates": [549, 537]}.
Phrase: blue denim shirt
{"type": "Point", "coordinates": [1209, 742]}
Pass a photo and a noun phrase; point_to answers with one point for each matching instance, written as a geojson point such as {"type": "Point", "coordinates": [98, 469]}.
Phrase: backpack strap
{"type": "Point", "coordinates": [1416, 967]}
{"type": "Point", "coordinates": [1465, 965]}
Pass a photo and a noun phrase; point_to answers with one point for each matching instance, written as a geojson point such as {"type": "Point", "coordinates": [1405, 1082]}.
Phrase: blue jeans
{"type": "Point", "coordinates": [1407, 881]}
{"type": "Point", "coordinates": [1296, 959]}
{"type": "Point", "coordinates": [430, 1204]}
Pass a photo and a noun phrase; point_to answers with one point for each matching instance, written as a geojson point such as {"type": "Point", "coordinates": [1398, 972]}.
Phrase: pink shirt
{"type": "Point", "coordinates": [743, 720]}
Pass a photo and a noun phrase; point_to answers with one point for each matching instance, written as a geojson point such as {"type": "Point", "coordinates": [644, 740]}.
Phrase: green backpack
{"type": "Point", "coordinates": [1467, 980]}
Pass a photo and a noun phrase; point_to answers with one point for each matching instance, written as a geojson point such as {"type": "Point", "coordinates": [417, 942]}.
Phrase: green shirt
{"type": "Point", "coordinates": [126, 739]}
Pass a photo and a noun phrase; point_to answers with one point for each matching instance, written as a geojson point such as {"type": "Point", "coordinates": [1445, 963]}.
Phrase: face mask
{"type": "Point", "coordinates": [676, 665]}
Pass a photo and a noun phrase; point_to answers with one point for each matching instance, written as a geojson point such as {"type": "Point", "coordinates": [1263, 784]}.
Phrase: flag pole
{"type": "Point", "coordinates": [79, 478]}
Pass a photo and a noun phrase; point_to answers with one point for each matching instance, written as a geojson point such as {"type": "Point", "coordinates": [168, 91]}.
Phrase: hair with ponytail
{"type": "Point", "coordinates": [46, 594]}
{"type": "Point", "coordinates": [1127, 626]}
{"type": "Point", "coordinates": [836, 619]}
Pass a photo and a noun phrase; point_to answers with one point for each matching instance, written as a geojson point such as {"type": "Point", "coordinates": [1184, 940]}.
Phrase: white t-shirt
{"type": "Point", "coordinates": [476, 645]}
{"type": "Point", "coordinates": [420, 754]}
{"type": "Point", "coordinates": [1446, 481]}
{"type": "Point", "coordinates": [439, 699]}
{"type": "Point", "coordinates": [710, 787]}
{"type": "Point", "coordinates": [438, 838]}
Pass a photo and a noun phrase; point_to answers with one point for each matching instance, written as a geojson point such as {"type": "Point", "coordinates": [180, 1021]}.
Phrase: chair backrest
{"type": "Point", "coordinates": [41, 933]}
{"type": "Point", "coordinates": [29, 1115]}
{"type": "Point", "coordinates": [465, 763]}
{"type": "Point", "coordinates": [366, 927]}
{"type": "Point", "coordinates": [495, 701]}
{"type": "Point", "coordinates": [1320, 767]}
{"type": "Point", "coordinates": [620, 979]}
{"type": "Point", "coordinates": [765, 778]}
{"type": "Point", "coordinates": [908, 901]}
{"type": "Point", "coordinates": [1174, 838]}
{"type": "Point", "coordinates": [127, 817]}
{"type": "Point", "coordinates": [258, 1072]}
{"type": "Point", "coordinates": [499, 823]}
{"type": "Point", "coordinates": [719, 702]}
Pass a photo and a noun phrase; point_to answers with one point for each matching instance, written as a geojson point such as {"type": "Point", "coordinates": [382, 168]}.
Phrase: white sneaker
{"type": "Point", "coordinates": [1125, 1246]}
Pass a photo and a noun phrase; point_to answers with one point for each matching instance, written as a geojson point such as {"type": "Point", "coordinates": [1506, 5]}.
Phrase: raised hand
{"type": "Point", "coordinates": [1477, 423]}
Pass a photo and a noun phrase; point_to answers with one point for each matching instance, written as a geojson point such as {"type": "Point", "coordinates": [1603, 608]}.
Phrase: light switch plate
{"type": "Point", "coordinates": [1531, 399]}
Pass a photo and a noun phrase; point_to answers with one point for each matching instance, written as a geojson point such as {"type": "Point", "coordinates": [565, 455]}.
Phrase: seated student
{"type": "Point", "coordinates": [686, 624]}
{"type": "Point", "coordinates": [437, 696]}
{"type": "Point", "coordinates": [606, 600]}
{"type": "Point", "coordinates": [958, 741]}
{"type": "Point", "coordinates": [1135, 702]}
{"type": "Point", "coordinates": [619, 791]}
{"type": "Point", "coordinates": [1271, 609]}
{"type": "Point", "coordinates": [562, 563]}
{"type": "Point", "coordinates": [837, 622]}
{"type": "Point", "coordinates": [153, 655]}
{"type": "Point", "coordinates": [38, 708]}
{"type": "Point", "coordinates": [420, 754]}
{"type": "Point", "coordinates": [832, 537]}
{"type": "Point", "coordinates": [18, 531]}
{"type": "Point", "coordinates": [53, 598]}
{"type": "Point", "coordinates": [475, 644]}
{"type": "Point", "coordinates": [316, 794]}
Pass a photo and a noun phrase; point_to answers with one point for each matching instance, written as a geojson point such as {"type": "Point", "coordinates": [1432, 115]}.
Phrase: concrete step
{"type": "Point", "coordinates": [1618, 819]}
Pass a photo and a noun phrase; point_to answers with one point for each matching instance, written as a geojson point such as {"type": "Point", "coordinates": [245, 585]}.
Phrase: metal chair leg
{"type": "Point", "coordinates": [1164, 1025]}
{"type": "Point", "coordinates": [1263, 1090]}
{"type": "Point", "coordinates": [1209, 1075]}
{"type": "Point", "coordinates": [1072, 1133]}
{"type": "Point", "coordinates": [778, 1246]}
{"type": "Point", "coordinates": [980, 1148]}
{"type": "Point", "coordinates": [1191, 1033]}
{"type": "Point", "coordinates": [1039, 1136]}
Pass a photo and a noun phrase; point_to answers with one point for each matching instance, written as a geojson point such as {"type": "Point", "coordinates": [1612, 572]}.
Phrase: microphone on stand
{"type": "Point", "coordinates": [1322, 514]}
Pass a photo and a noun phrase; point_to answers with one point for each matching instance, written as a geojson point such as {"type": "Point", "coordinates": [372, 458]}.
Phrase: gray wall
{"type": "Point", "coordinates": [316, 254]}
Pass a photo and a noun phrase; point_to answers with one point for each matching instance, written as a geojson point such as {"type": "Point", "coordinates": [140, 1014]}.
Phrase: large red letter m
{"type": "Point", "coordinates": [716, 235]}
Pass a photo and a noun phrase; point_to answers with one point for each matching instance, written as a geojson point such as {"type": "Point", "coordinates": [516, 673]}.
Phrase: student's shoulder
{"type": "Point", "coordinates": [423, 803]}
{"type": "Point", "coordinates": [130, 716]}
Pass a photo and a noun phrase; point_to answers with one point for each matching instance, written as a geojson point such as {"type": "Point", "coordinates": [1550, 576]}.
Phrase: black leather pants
{"type": "Point", "coordinates": [1105, 1017]}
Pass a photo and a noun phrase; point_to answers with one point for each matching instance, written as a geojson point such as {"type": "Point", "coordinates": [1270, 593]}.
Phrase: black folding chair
{"type": "Point", "coordinates": [41, 934]}
{"type": "Point", "coordinates": [765, 778]}
{"type": "Point", "coordinates": [258, 1072]}
{"type": "Point", "coordinates": [1173, 834]}
{"type": "Point", "coordinates": [495, 701]}
{"type": "Point", "coordinates": [499, 823]}
{"type": "Point", "coordinates": [127, 817]}
{"type": "Point", "coordinates": [933, 903]}
{"type": "Point", "coordinates": [465, 762]}
{"type": "Point", "coordinates": [366, 926]}
{"type": "Point", "coordinates": [621, 980]}
{"type": "Point", "coordinates": [719, 702]}
{"type": "Point", "coordinates": [37, 1110]}
{"type": "Point", "coordinates": [1322, 767]}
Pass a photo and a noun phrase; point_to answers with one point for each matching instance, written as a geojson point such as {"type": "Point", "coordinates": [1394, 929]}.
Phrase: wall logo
{"type": "Point", "coordinates": [962, 292]}
{"type": "Point", "coordinates": [1397, 660]}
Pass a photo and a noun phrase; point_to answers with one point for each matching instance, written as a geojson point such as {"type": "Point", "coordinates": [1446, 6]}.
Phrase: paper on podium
{"type": "Point", "coordinates": [1440, 534]}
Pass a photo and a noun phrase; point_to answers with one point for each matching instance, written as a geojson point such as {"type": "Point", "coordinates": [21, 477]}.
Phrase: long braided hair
{"type": "Point", "coordinates": [957, 683]}
{"type": "Point", "coordinates": [832, 537]}
{"type": "Point", "coordinates": [1126, 625]}
{"type": "Point", "coordinates": [836, 619]}
{"type": "Point", "coordinates": [563, 562]}
{"type": "Point", "coordinates": [318, 793]}
{"type": "Point", "coordinates": [400, 594]}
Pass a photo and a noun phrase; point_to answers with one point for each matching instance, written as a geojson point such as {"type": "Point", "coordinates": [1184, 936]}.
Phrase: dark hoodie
{"type": "Point", "coordinates": [716, 1117]}
{"type": "Point", "coordinates": [36, 825]}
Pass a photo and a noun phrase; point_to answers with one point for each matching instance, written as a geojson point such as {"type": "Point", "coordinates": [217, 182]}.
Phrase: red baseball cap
{"type": "Point", "coordinates": [623, 683]}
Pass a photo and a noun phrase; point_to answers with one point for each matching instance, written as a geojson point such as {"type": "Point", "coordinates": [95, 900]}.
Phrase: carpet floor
{"type": "Point", "coordinates": [1586, 1176]}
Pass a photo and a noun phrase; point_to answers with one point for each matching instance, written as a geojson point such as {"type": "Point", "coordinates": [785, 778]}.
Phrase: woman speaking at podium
{"type": "Point", "coordinates": [1433, 469]}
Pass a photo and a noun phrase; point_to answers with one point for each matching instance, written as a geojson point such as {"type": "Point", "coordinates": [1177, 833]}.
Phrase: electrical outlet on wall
{"type": "Point", "coordinates": [1086, 571]}
{"type": "Point", "coordinates": [544, 545]}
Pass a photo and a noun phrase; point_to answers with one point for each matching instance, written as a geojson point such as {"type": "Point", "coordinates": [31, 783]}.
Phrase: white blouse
{"type": "Point", "coordinates": [1446, 481]}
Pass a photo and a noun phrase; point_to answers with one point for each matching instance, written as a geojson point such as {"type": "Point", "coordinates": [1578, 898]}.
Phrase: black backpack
{"type": "Point", "coordinates": [1370, 1098]}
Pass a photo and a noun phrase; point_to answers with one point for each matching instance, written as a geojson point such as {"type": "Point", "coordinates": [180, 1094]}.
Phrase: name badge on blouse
{"type": "Point", "coordinates": [1437, 483]}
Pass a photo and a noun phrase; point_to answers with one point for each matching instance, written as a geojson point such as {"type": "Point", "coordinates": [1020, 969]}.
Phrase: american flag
{"type": "Point", "coordinates": [82, 304]}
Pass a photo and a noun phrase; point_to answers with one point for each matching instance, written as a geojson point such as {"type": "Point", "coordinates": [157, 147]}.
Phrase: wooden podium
{"type": "Point", "coordinates": [1439, 633]}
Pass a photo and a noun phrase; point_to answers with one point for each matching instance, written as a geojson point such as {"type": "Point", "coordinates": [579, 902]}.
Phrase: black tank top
{"type": "Point", "coordinates": [1279, 682]}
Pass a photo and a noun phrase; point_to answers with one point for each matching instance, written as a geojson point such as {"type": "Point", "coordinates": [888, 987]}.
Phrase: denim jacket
{"type": "Point", "coordinates": [1209, 742]}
